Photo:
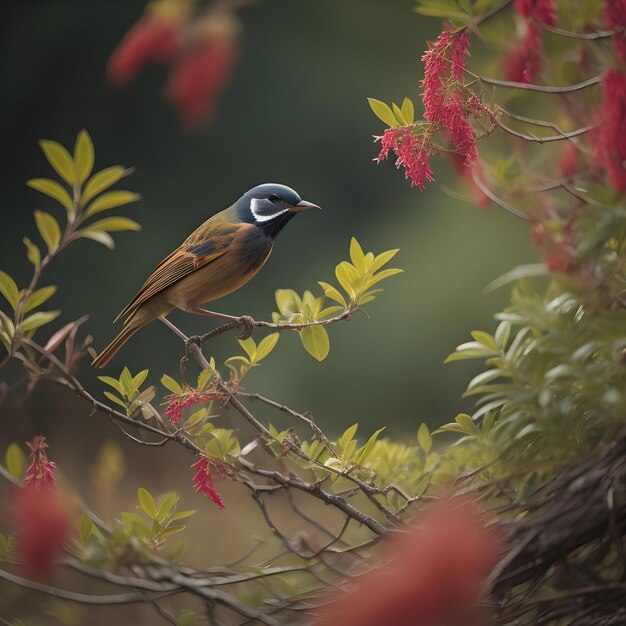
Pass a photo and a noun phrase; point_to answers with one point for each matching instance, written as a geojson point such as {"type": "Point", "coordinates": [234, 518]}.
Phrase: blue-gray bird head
{"type": "Point", "coordinates": [270, 206]}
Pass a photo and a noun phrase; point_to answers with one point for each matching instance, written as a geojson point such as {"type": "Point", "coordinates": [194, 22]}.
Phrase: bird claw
{"type": "Point", "coordinates": [247, 325]}
{"type": "Point", "coordinates": [194, 340]}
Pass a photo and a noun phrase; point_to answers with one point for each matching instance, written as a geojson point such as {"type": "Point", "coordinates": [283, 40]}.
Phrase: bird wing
{"type": "Point", "coordinates": [203, 246]}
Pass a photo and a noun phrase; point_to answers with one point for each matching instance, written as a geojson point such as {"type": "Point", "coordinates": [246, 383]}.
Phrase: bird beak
{"type": "Point", "coordinates": [303, 205]}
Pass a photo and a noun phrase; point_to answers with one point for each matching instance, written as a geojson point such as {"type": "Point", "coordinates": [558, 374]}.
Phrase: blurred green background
{"type": "Point", "coordinates": [295, 113]}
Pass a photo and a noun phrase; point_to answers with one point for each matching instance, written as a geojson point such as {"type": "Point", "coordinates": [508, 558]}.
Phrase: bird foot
{"type": "Point", "coordinates": [247, 325]}
{"type": "Point", "coordinates": [194, 340]}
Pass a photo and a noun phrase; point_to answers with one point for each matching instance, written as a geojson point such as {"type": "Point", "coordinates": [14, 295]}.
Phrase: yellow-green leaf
{"type": "Point", "coordinates": [424, 439]}
{"type": "Point", "coordinates": [101, 181]}
{"type": "Point", "coordinates": [60, 160]}
{"type": "Point", "coordinates": [266, 345]}
{"type": "Point", "coordinates": [382, 112]}
{"type": "Point", "coordinates": [347, 436]}
{"type": "Point", "coordinates": [53, 189]}
{"type": "Point", "coordinates": [38, 319]}
{"type": "Point", "coordinates": [110, 200]}
{"type": "Point", "coordinates": [147, 503]}
{"type": "Point", "coordinates": [366, 450]}
{"type": "Point", "coordinates": [397, 112]}
{"type": "Point", "coordinates": [408, 111]}
{"type": "Point", "coordinates": [333, 293]}
{"type": "Point", "coordinates": [104, 238]}
{"type": "Point", "coordinates": [348, 277]}
{"type": "Point", "coordinates": [112, 224]}
{"type": "Point", "coordinates": [83, 156]}
{"type": "Point", "coordinates": [9, 289]}
{"type": "Point", "coordinates": [85, 528]}
{"type": "Point", "coordinates": [16, 461]}
{"type": "Point", "coordinates": [38, 297]}
{"type": "Point", "coordinates": [383, 258]}
{"type": "Point", "coordinates": [356, 255]}
{"type": "Point", "coordinates": [32, 252]}
{"type": "Point", "coordinates": [48, 229]}
{"type": "Point", "coordinates": [315, 341]}
{"type": "Point", "coordinates": [171, 385]}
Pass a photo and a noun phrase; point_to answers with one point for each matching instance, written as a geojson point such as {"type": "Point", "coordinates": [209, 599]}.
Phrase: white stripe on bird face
{"type": "Point", "coordinates": [255, 206]}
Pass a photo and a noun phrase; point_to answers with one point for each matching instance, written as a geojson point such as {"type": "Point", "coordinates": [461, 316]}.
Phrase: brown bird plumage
{"type": "Point", "coordinates": [218, 258]}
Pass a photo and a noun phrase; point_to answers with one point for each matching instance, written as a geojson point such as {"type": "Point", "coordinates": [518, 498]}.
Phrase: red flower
{"type": "Point", "coordinates": [433, 577]}
{"type": "Point", "coordinates": [42, 526]}
{"type": "Point", "coordinates": [447, 102]}
{"type": "Point", "coordinates": [543, 11]}
{"type": "Point", "coordinates": [523, 61]}
{"type": "Point", "coordinates": [177, 402]}
{"type": "Point", "coordinates": [611, 141]}
{"type": "Point", "coordinates": [200, 77]}
{"type": "Point", "coordinates": [153, 39]}
{"type": "Point", "coordinates": [40, 472]}
{"type": "Point", "coordinates": [412, 154]}
{"type": "Point", "coordinates": [203, 478]}
{"type": "Point", "coordinates": [615, 17]}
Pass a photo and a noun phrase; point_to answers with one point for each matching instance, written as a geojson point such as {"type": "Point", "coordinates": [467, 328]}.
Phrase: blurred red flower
{"type": "Point", "coordinates": [467, 173]}
{"type": "Point", "coordinates": [611, 138]}
{"type": "Point", "coordinates": [615, 17]}
{"type": "Point", "coordinates": [543, 11]}
{"type": "Point", "coordinates": [434, 576]}
{"type": "Point", "coordinates": [199, 78]}
{"type": "Point", "coordinates": [40, 472]}
{"type": "Point", "coordinates": [152, 40]}
{"type": "Point", "coordinates": [523, 61]}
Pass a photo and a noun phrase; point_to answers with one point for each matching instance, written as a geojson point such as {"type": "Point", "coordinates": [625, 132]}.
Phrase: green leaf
{"type": "Point", "coordinates": [147, 503]}
{"type": "Point", "coordinates": [85, 528]}
{"type": "Point", "coordinates": [60, 160]}
{"type": "Point", "coordinates": [48, 229]}
{"type": "Point", "coordinates": [165, 508]}
{"type": "Point", "coordinates": [356, 255]}
{"type": "Point", "coordinates": [366, 450]}
{"type": "Point", "coordinates": [424, 438]}
{"type": "Point", "coordinates": [517, 273]}
{"type": "Point", "coordinates": [32, 252]}
{"type": "Point", "coordinates": [408, 111]}
{"type": "Point", "coordinates": [203, 378]}
{"type": "Point", "coordinates": [52, 189]}
{"type": "Point", "coordinates": [347, 436]}
{"type": "Point", "coordinates": [249, 346]}
{"type": "Point", "coordinates": [126, 380]}
{"type": "Point", "coordinates": [172, 530]}
{"type": "Point", "coordinates": [333, 293]}
{"type": "Point", "coordinates": [484, 338]}
{"type": "Point", "coordinates": [140, 379]}
{"type": "Point", "coordinates": [183, 514]}
{"type": "Point", "coordinates": [348, 277]}
{"type": "Point", "coordinates": [110, 200]}
{"type": "Point", "coordinates": [9, 289]}
{"type": "Point", "coordinates": [448, 9]}
{"type": "Point", "coordinates": [16, 461]}
{"type": "Point", "coordinates": [104, 238]}
{"type": "Point", "coordinates": [383, 112]}
{"type": "Point", "coordinates": [112, 224]}
{"type": "Point", "coordinates": [170, 384]}
{"type": "Point", "coordinates": [34, 321]}
{"type": "Point", "coordinates": [315, 341]}
{"type": "Point", "coordinates": [383, 274]}
{"type": "Point", "coordinates": [382, 259]}
{"type": "Point", "coordinates": [101, 181]}
{"type": "Point", "coordinates": [113, 398]}
{"type": "Point", "coordinates": [38, 297]}
{"type": "Point", "coordinates": [397, 112]}
{"type": "Point", "coordinates": [83, 156]}
{"type": "Point", "coordinates": [266, 345]}
{"type": "Point", "coordinates": [112, 382]}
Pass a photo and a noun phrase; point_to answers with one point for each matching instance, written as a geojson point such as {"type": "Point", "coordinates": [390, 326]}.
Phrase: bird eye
{"type": "Point", "coordinates": [274, 198]}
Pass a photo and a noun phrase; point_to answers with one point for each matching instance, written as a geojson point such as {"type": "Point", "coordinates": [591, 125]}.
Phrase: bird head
{"type": "Point", "coordinates": [270, 206]}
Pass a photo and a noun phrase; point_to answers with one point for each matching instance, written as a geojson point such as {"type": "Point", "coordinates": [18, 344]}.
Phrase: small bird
{"type": "Point", "coordinates": [216, 259]}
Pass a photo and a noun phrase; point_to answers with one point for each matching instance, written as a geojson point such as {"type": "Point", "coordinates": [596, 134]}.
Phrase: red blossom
{"type": "Point", "coordinates": [203, 478]}
{"type": "Point", "coordinates": [523, 61]}
{"type": "Point", "coordinates": [615, 17]}
{"type": "Point", "coordinates": [42, 526]}
{"type": "Point", "coordinates": [433, 576]}
{"type": "Point", "coordinates": [199, 78]}
{"type": "Point", "coordinates": [447, 102]}
{"type": "Point", "coordinates": [152, 40]}
{"type": "Point", "coordinates": [40, 472]}
{"type": "Point", "coordinates": [411, 152]}
{"type": "Point", "coordinates": [611, 138]}
{"type": "Point", "coordinates": [543, 11]}
{"type": "Point", "coordinates": [177, 402]}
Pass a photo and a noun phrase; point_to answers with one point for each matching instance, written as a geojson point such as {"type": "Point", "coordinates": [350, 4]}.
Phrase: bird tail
{"type": "Point", "coordinates": [111, 350]}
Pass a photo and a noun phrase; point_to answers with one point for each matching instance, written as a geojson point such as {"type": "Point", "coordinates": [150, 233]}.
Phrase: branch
{"type": "Point", "coordinates": [594, 80]}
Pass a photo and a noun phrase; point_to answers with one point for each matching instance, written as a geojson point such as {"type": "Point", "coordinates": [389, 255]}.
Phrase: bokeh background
{"type": "Point", "coordinates": [295, 112]}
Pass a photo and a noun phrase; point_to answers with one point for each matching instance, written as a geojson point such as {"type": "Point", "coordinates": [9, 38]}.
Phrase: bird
{"type": "Point", "coordinates": [220, 256]}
